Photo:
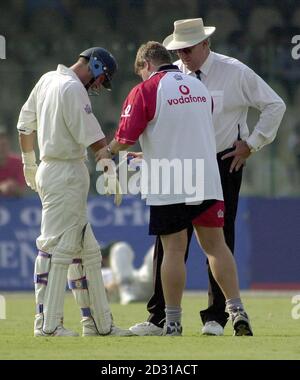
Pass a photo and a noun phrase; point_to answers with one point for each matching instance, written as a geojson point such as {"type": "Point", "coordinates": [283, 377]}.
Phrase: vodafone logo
{"type": "Point", "coordinates": [220, 214]}
{"type": "Point", "coordinates": [127, 111]}
{"type": "Point", "coordinates": [186, 99]}
{"type": "Point", "coordinates": [184, 89]}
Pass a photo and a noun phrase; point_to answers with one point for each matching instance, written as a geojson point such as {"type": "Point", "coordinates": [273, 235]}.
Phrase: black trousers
{"type": "Point", "coordinates": [231, 183]}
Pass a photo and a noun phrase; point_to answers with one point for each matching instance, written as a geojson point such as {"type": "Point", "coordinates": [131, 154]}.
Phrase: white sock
{"type": "Point", "coordinates": [173, 314]}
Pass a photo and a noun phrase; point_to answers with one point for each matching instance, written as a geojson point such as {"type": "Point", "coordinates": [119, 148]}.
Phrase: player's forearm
{"type": "Point", "coordinates": [115, 146]}
{"type": "Point", "coordinates": [27, 142]}
{"type": "Point", "coordinates": [98, 145]}
{"type": "Point", "coordinates": [110, 150]}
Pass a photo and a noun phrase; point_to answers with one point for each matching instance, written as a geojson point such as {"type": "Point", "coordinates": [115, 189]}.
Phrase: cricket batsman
{"type": "Point", "coordinates": [59, 112]}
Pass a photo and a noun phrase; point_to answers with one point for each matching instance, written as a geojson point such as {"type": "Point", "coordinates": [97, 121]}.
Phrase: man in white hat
{"type": "Point", "coordinates": [234, 88]}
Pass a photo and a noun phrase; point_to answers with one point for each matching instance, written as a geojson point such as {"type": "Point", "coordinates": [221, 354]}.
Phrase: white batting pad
{"type": "Point", "coordinates": [54, 297]}
{"type": "Point", "coordinates": [78, 284]}
{"type": "Point", "coordinates": [57, 279]}
{"type": "Point", "coordinates": [91, 259]}
{"type": "Point", "coordinates": [41, 272]}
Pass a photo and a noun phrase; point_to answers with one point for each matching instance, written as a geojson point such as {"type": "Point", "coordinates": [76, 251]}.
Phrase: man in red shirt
{"type": "Point", "coordinates": [170, 114]}
{"type": "Point", "coordinates": [12, 182]}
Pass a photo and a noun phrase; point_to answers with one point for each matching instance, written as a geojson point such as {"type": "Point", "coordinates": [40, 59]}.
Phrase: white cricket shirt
{"type": "Point", "coordinates": [235, 87]}
{"type": "Point", "coordinates": [170, 114]}
{"type": "Point", "coordinates": [59, 109]}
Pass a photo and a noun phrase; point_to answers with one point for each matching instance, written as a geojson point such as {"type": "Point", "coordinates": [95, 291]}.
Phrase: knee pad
{"type": "Point", "coordinates": [77, 282]}
{"type": "Point", "coordinates": [41, 273]}
{"type": "Point", "coordinates": [91, 253]}
{"type": "Point", "coordinates": [68, 246]}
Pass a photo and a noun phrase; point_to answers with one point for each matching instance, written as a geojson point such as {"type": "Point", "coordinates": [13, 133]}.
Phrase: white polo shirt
{"type": "Point", "coordinates": [170, 114]}
{"type": "Point", "coordinates": [234, 88]}
{"type": "Point", "coordinates": [59, 109]}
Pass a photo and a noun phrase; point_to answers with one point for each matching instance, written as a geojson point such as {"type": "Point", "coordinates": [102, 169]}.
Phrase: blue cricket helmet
{"type": "Point", "coordinates": [101, 61]}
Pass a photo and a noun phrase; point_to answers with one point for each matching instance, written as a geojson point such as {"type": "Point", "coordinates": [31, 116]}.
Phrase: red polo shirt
{"type": "Point", "coordinates": [12, 169]}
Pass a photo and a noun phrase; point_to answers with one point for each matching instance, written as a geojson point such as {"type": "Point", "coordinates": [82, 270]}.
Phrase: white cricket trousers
{"type": "Point", "coordinates": [67, 238]}
{"type": "Point", "coordinates": [63, 189]}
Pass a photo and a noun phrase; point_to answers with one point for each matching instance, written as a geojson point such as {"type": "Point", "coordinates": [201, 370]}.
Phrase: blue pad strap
{"type": "Point", "coordinates": [41, 278]}
{"type": "Point", "coordinates": [44, 254]}
{"type": "Point", "coordinates": [86, 312]}
{"type": "Point", "coordinates": [39, 308]}
{"type": "Point", "coordinates": [80, 283]}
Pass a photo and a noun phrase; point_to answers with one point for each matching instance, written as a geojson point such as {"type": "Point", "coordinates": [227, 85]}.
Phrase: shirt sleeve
{"type": "Point", "coordinates": [134, 118]}
{"type": "Point", "coordinates": [79, 117]}
{"type": "Point", "coordinates": [258, 94]}
{"type": "Point", "coordinates": [27, 122]}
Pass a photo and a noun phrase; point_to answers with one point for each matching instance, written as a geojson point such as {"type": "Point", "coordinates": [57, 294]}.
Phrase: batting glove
{"type": "Point", "coordinates": [112, 186]}
{"type": "Point", "coordinates": [29, 169]}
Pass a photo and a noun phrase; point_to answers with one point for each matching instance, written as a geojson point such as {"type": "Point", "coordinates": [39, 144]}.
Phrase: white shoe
{"type": "Point", "coordinates": [212, 328]}
{"type": "Point", "coordinates": [59, 331]}
{"type": "Point", "coordinates": [117, 331]}
{"type": "Point", "coordinates": [89, 329]}
{"type": "Point", "coordinates": [146, 329]}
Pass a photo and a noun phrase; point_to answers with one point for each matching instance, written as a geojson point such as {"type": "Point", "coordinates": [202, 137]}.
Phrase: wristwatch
{"type": "Point", "coordinates": [108, 149]}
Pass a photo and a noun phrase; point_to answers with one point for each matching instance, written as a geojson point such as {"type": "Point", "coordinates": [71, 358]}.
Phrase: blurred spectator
{"type": "Point", "coordinates": [122, 281]}
{"type": "Point", "coordinates": [224, 18]}
{"type": "Point", "coordinates": [12, 182]}
{"type": "Point", "coordinates": [290, 67]}
{"type": "Point", "coordinates": [262, 18]}
{"type": "Point", "coordinates": [269, 50]}
{"type": "Point", "coordinates": [239, 46]}
{"type": "Point", "coordinates": [275, 57]}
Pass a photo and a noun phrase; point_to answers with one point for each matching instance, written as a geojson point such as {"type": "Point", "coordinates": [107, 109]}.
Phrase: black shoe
{"type": "Point", "coordinates": [172, 329]}
{"type": "Point", "coordinates": [241, 323]}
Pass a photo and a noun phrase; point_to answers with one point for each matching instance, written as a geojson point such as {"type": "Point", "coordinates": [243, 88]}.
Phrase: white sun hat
{"type": "Point", "coordinates": [188, 32]}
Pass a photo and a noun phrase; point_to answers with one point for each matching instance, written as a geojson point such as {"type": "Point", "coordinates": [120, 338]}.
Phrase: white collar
{"type": "Point", "coordinates": [62, 69]}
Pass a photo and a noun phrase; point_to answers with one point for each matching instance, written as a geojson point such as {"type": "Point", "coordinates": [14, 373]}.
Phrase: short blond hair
{"type": "Point", "coordinates": [153, 52]}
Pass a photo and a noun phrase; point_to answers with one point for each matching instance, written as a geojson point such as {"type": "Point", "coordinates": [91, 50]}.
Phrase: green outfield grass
{"type": "Point", "coordinates": [277, 335]}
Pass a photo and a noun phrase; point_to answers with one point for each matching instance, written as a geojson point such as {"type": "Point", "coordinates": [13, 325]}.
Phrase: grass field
{"type": "Point", "coordinates": [277, 335]}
